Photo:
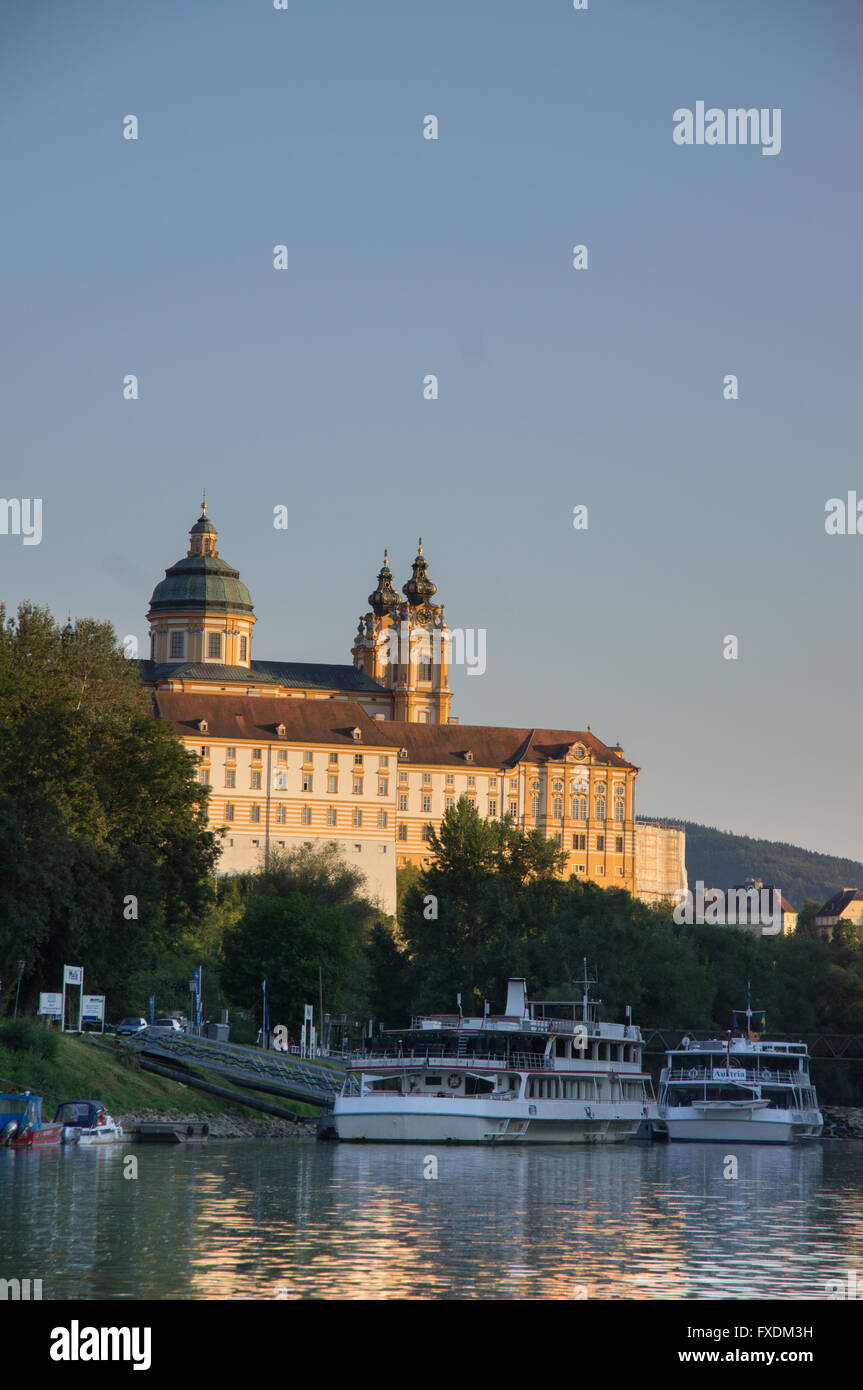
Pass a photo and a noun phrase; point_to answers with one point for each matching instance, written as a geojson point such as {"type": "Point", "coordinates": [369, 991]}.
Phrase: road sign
{"type": "Point", "coordinates": [93, 1008]}
{"type": "Point", "coordinates": [51, 1004]}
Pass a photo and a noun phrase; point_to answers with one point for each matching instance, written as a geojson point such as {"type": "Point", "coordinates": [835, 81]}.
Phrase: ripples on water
{"type": "Point", "coordinates": [300, 1220]}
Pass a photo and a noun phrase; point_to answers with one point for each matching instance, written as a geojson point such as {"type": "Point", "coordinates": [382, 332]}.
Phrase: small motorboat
{"type": "Point", "coordinates": [90, 1121]}
{"type": "Point", "coordinates": [21, 1124]}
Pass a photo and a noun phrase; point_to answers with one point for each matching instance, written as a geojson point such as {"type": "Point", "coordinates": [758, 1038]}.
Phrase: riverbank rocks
{"type": "Point", "coordinates": [842, 1122]}
{"type": "Point", "coordinates": [229, 1126]}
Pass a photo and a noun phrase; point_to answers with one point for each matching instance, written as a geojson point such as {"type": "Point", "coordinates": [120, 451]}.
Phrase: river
{"type": "Point", "coordinates": [271, 1219]}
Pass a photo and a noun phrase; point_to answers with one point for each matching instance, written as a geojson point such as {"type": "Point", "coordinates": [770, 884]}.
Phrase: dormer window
{"type": "Point", "coordinates": [356, 735]}
{"type": "Point", "coordinates": [280, 731]}
{"type": "Point", "coordinates": [468, 757]}
{"type": "Point", "coordinates": [203, 726]}
{"type": "Point", "coordinates": [403, 752]}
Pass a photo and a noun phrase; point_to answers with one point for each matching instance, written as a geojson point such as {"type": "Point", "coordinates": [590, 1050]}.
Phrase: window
{"type": "Point", "coordinates": [256, 844]}
{"type": "Point", "coordinates": [450, 780]}
{"type": "Point", "coordinates": [358, 760]}
{"type": "Point", "coordinates": [492, 806]}
{"type": "Point", "coordinates": [557, 786]}
{"type": "Point", "coordinates": [427, 832]}
{"type": "Point", "coordinates": [600, 808]}
{"type": "Point", "coordinates": [256, 755]}
{"type": "Point", "coordinates": [424, 669]}
{"type": "Point", "coordinates": [426, 779]}
{"type": "Point", "coordinates": [471, 781]}
{"type": "Point", "coordinates": [230, 777]}
{"type": "Point", "coordinates": [283, 755]}
{"type": "Point", "coordinates": [535, 785]}
{"type": "Point", "coordinates": [332, 784]}
{"type": "Point", "coordinates": [307, 756]}
{"type": "Point", "coordinates": [205, 750]}
{"type": "Point", "coordinates": [256, 781]}
{"type": "Point", "coordinates": [176, 644]}
{"type": "Point", "coordinates": [579, 807]}
{"type": "Point", "coordinates": [556, 839]}
{"type": "Point", "coordinates": [214, 646]}
{"type": "Point", "coordinates": [513, 784]}
{"type": "Point", "coordinates": [403, 801]}
{"type": "Point", "coordinates": [619, 809]}
{"type": "Point", "coordinates": [205, 777]}
{"type": "Point", "coordinates": [382, 820]}
{"type": "Point", "coordinates": [492, 783]}
{"type": "Point", "coordinates": [383, 760]}
{"type": "Point", "coordinates": [243, 648]}
{"type": "Point", "coordinates": [618, 844]}
{"type": "Point", "coordinates": [426, 803]}
{"type": "Point", "coordinates": [334, 760]}
{"type": "Point", "coordinates": [358, 816]}
{"type": "Point", "coordinates": [307, 815]}
{"type": "Point", "coordinates": [383, 787]}
{"type": "Point", "coordinates": [331, 815]}
{"type": "Point", "coordinates": [600, 843]}
{"type": "Point", "coordinates": [281, 815]}
{"type": "Point", "coordinates": [534, 807]}
{"type": "Point", "coordinates": [403, 832]}
{"type": "Point", "coordinates": [230, 754]}
{"type": "Point", "coordinates": [601, 870]}
{"type": "Point", "coordinates": [307, 781]}
{"type": "Point", "coordinates": [557, 807]}
{"type": "Point", "coordinates": [229, 812]}
{"type": "Point", "coordinates": [358, 786]}
{"type": "Point", "coordinates": [280, 781]}
{"type": "Point", "coordinates": [513, 808]}
{"type": "Point", "coordinates": [403, 775]}
{"type": "Point", "coordinates": [449, 802]}
{"type": "Point", "coordinates": [256, 814]}
{"type": "Point", "coordinates": [579, 842]}
{"type": "Point", "coordinates": [281, 844]}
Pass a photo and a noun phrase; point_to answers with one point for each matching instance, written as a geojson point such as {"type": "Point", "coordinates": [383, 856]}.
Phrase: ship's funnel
{"type": "Point", "coordinates": [516, 999]}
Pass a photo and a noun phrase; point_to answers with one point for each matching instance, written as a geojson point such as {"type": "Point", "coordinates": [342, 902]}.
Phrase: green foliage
{"type": "Point", "coordinates": [98, 803]}
{"type": "Point", "coordinates": [305, 913]}
{"type": "Point", "coordinates": [721, 859]}
{"type": "Point", "coordinates": [25, 1035]}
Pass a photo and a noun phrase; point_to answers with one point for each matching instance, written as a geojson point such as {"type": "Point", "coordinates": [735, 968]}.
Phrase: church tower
{"type": "Point", "coordinates": [201, 613]}
{"type": "Point", "coordinates": [404, 645]}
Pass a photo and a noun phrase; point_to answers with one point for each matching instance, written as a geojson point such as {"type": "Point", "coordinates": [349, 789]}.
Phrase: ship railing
{"type": "Point", "coordinates": [440, 1061]}
{"type": "Point", "coordinates": [767, 1076]}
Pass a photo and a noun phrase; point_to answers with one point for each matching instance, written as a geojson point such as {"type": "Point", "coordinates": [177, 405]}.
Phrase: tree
{"type": "Point", "coordinates": [104, 845]}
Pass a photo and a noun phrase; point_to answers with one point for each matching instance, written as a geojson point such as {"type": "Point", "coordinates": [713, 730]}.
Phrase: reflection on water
{"type": "Point", "coordinates": [299, 1220]}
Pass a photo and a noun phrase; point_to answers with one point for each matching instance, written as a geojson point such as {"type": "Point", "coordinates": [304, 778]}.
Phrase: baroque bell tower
{"type": "Point", "coordinates": [405, 646]}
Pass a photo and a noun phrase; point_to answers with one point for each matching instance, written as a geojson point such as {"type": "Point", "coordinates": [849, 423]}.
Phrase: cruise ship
{"type": "Point", "coordinates": [543, 1072]}
{"type": "Point", "coordinates": [742, 1089]}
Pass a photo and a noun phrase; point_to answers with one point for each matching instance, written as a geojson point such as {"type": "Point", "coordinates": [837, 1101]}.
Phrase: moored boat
{"type": "Point", "coordinates": [90, 1121]}
{"type": "Point", "coordinates": [742, 1089]}
{"type": "Point", "coordinates": [545, 1071]}
{"type": "Point", "coordinates": [21, 1124]}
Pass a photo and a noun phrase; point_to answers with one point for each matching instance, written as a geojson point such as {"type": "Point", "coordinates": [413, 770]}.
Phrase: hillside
{"type": "Point", "coordinates": [720, 859]}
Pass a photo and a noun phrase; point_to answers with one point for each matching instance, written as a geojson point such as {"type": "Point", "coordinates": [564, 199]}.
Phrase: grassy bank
{"type": "Point", "coordinates": [82, 1071]}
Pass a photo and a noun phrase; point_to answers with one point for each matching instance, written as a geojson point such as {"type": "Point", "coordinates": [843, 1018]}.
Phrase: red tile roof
{"type": "Point", "coordinates": [331, 721]}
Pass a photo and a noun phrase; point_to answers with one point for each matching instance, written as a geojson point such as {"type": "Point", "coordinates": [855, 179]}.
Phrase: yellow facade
{"type": "Point", "coordinates": [368, 754]}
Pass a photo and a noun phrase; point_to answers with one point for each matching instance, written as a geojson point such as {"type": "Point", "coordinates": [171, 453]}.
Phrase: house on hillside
{"type": "Point", "coordinates": [846, 906]}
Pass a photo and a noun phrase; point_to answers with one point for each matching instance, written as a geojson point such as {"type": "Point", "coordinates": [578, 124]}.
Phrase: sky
{"type": "Point", "coordinates": [601, 387]}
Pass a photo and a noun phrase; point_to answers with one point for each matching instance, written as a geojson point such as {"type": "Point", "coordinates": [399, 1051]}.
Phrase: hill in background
{"type": "Point", "coordinates": [720, 859]}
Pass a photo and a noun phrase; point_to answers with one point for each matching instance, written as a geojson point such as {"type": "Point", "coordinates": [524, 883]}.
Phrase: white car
{"type": "Point", "coordinates": [165, 1028]}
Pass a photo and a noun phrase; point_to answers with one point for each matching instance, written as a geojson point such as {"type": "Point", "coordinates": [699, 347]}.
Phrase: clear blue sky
{"type": "Point", "coordinates": [453, 257]}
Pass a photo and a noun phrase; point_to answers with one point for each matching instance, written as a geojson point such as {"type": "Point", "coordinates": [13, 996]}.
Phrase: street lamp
{"type": "Point", "coordinates": [21, 966]}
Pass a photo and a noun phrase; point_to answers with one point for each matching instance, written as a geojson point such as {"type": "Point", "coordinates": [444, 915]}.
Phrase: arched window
{"type": "Point", "coordinates": [619, 809]}
{"type": "Point", "coordinates": [600, 808]}
{"type": "Point", "coordinates": [579, 807]}
{"type": "Point", "coordinates": [534, 807]}
{"type": "Point", "coordinates": [557, 807]}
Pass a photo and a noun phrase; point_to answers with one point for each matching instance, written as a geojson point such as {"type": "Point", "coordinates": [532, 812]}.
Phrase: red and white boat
{"type": "Point", "coordinates": [21, 1125]}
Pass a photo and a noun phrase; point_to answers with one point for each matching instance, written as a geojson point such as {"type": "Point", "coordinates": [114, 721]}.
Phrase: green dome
{"type": "Point", "coordinates": [201, 582]}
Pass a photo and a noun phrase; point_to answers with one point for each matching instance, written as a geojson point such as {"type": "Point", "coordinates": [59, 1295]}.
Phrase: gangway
{"type": "Point", "coordinates": [316, 1080]}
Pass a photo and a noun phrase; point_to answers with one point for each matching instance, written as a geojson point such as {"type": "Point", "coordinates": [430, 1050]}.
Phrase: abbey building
{"type": "Point", "coordinates": [368, 753]}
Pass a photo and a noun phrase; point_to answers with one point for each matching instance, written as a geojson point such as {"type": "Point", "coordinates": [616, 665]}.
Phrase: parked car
{"type": "Point", "coordinates": [130, 1026]}
{"type": "Point", "coordinates": [164, 1027]}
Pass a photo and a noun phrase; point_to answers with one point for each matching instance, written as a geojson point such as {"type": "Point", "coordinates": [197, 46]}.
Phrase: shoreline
{"type": "Point", "coordinates": [225, 1126]}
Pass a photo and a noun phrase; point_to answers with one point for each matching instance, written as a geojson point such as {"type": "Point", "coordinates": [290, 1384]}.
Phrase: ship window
{"type": "Point", "coordinates": [434, 1080]}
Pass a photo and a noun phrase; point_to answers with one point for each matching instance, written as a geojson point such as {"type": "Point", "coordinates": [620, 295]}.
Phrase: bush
{"type": "Point", "coordinates": [23, 1035]}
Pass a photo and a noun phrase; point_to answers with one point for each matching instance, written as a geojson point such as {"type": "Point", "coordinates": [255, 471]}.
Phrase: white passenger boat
{"type": "Point", "coordinates": [742, 1089]}
{"type": "Point", "coordinates": [544, 1072]}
